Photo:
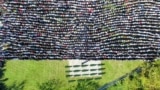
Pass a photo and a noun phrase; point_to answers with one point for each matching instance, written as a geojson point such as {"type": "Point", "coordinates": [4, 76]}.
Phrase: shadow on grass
{"type": "Point", "coordinates": [2, 79]}
{"type": "Point", "coordinates": [139, 70]}
{"type": "Point", "coordinates": [85, 84]}
{"type": "Point", "coordinates": [107, 85]}
{"type": "Point", "coordinates": [53, 84]}
{"type": "Point", "coordinates": [14, 86]}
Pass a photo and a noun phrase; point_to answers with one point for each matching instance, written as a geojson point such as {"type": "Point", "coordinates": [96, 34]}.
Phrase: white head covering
{"type": "Point", "coordinates": [1, 24]}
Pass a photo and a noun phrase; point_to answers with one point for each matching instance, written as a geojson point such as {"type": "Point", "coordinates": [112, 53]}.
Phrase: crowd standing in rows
{"type": "Point", "coordinates": [97, 29]}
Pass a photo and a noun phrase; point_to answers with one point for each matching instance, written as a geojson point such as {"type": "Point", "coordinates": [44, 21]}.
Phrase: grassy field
{"type": "Point", "coordinates": [27, 74]}
{"type": "Point", "coordinates": [146, 79]}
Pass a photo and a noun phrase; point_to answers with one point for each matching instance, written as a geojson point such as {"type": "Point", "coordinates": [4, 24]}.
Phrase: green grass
{"type": "Point", "coordinates": [147, 79]}
{"type": "Point", "coordinates": [115, 69]}
{"type": "Point", "coordinates": [33, 72]}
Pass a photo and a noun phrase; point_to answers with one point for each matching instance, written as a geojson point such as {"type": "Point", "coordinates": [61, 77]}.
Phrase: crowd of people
{"type": "Point", "coordinates": [90, 29]}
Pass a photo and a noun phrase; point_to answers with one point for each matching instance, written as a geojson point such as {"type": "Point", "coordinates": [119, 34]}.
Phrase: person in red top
{"type": "Point", "coordinates": [90, 10]}
{"type": "Point", "coordinates": [127, 6]}
{"type": "Point", "coordinates": [1, 1]}
{"type": "Point", "coordinates": [2, 7]}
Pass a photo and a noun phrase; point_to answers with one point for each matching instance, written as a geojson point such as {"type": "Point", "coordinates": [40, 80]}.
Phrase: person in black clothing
{"type": "Point", "coordinates": [152, 54]}
{"type": "Point", "coordinates": [1, 58]}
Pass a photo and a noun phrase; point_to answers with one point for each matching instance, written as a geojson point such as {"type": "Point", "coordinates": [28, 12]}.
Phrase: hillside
{"type": "Point", "coordinates": [146, 79]}
{"type": "Point", "coordinates": [28, 74]}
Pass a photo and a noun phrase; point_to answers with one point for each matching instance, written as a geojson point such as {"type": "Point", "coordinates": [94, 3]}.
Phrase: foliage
{"type": "Point", "coordinates": [147, 79]}
{"type": "Point", "coordinates": [16, 86]}
{"type": "Point", "coordinates": [85, 85]}
{"type": "Point", "coordinates": [54, 84]}
{"type": "Point", "coordinates": [34, 72]}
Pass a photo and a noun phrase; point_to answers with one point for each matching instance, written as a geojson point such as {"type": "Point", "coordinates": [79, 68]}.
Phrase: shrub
{"type": "Point", "coordinates": [54, 84]}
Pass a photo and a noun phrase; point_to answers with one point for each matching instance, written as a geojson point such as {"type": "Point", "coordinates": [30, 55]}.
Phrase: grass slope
{"type": "Point", "coordinates": [115, 69]}
{"type": "Point", "coordinates": [29, 73]}
{"type": "Point", "coordinates": [33, 72]}
{"type": "Point", "coordinates": [147, 79]}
